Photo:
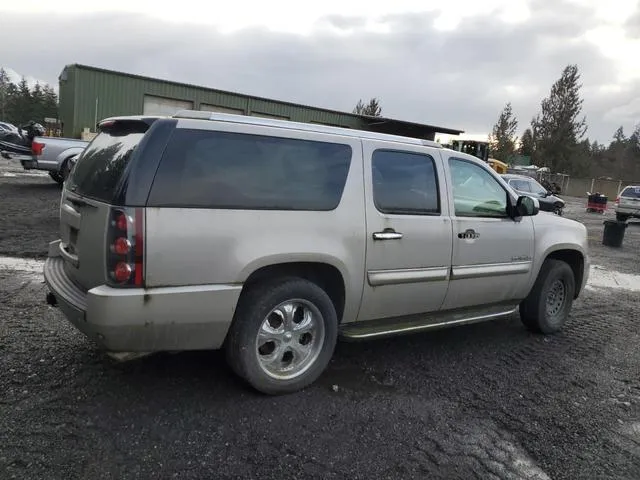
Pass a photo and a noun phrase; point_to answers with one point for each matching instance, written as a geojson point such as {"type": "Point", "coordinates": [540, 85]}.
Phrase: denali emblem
{"type": "Point", "coordinates": [469, 235]}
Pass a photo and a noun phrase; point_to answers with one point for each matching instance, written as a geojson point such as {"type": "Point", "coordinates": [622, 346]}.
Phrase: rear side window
{"type": "Point", "coordinates": [100, 167]}
{"type": "Point", "coordinates": [209, 169]}
{"type": "Point", "coordinates": [404, 183]}
{"type": "Point", "coordinates": [631, 192]}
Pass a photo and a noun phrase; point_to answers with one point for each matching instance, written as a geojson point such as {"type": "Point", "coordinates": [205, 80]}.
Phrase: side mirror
{"type": "Point", "coordinates": [527, 206]}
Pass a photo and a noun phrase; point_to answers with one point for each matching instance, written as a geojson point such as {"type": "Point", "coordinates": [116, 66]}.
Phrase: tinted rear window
{"type": "Point", "coordinates": [205, 169]}
{"type": "Point", "coordinates": [631, 192]}
{"type": "Point", "coordinates": [404, 183]}
{"type": "Point", "coordinates": [101, 165]}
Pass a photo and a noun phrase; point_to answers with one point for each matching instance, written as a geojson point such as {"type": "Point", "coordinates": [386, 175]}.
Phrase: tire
{"type": "Point", "coordinates": [557, 210]}
{"type": "Point", "coordinates": [291, 355]}
{"type": "Point", "coordinates": [621, 217]}
{"type": "Point", "coordinates": [56, 177]}
{"type": "Point", "coordinates": [65, 169]}
{"type": "Point", "coordinates": [556, 277]}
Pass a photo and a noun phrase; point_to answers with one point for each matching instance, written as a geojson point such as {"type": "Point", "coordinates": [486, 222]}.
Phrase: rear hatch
{"type": "Point", "coordinates": [87, 198]}
{"type": "Point", "coordinates": [630, 198]}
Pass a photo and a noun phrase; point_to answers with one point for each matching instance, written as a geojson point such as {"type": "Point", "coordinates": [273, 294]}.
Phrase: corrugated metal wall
{"type": "Point", "coordinates": [88, 94]}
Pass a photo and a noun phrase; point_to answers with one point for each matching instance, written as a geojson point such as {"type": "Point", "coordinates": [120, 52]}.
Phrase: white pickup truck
{"type": "Point", "coordinates": [54, 155]}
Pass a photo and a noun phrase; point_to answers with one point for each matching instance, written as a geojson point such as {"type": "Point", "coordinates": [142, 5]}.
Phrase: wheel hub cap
{"type": "Point", "coordinates": [290, 339]}
{"type": "Point", "coordinates": [555, 298]}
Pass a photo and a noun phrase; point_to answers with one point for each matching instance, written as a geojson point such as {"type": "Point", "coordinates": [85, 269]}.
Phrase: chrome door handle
{"type": "Point", "coordinates": [387, 235]}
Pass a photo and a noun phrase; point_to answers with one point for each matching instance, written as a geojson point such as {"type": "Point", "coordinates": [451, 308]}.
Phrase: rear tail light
{"type": "Point", "coordinates": [37, 148]}
{"type": "Point", "coordinates": [125, 251]}
{"type": "Point", "coordinates": [617, 200]}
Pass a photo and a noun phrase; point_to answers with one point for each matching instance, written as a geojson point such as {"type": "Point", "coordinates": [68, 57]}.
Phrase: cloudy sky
{"type": "Point", "coordinates": [453, 63]}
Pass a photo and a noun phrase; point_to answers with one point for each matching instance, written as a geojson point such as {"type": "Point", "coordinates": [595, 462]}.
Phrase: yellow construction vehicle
{"type": "Point", "coordinates": [479, 149]}
{"type": "Point", "coordinates": [498, 166]}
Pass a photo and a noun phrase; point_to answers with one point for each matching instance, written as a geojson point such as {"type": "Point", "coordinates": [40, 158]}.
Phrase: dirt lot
{"type": "Point", "coordinates": [486, 401]}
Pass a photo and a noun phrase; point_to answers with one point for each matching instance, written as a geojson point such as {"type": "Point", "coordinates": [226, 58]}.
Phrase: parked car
{"type": "Point", "coordinates": [8, 127]}
{"type": "Point", "coordinates": [270, 239]}
{"type": "Point", "coordinates": [54, 155]}
{"type": "Point", "coordinates": [525, 185]}
{"type": "Point", "coordinates": [627, 204]}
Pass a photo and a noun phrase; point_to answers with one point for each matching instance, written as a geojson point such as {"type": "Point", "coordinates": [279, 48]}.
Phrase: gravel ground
{"type": "Point", "coordinates": [485, 401]}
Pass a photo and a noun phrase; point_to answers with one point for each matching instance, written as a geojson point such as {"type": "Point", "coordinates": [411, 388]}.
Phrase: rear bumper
{"type": "Point", "coordinates": [29, 163]}
{"type": "Point", "coordinates": [145, 320]}
{"type": "Point", "coordinates": [631, 211]}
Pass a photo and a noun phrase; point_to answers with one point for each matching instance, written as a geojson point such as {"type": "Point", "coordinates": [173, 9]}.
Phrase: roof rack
{"type": "Point", "coordinates": [308, 127]}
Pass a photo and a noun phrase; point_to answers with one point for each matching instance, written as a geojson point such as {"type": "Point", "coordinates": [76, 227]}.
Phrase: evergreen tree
{"type": "Point", "coordinates": [502, 139]}
{"type": "Point", "coordinates": [527, 145]}
{"type": "Point", "coordinates": [559, 127]}
{"type": "Point", "coordinates": [372, 108]}
{"type": "Point", "coordinates": [4, 93]}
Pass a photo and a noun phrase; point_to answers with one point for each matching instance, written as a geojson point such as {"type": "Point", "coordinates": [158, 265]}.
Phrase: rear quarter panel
{"type": "Point", "coordinates": [197, 246]}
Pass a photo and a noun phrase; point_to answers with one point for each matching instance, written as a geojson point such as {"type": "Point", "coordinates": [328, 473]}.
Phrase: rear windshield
{"type": "Point", "coordinates": [210, 169]}
{"type": "Point", "coordinates": [631, 192]}
{"type": "Point", "coordinates": [102, 163]}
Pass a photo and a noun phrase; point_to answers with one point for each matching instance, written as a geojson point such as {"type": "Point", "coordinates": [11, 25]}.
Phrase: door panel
{"type": "Point", "coordinates": [408, 231]}
{"type": "Point", "coordinates": [492, 253]}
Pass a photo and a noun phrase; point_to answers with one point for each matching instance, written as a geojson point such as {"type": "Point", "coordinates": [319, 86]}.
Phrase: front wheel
{"type": "Point", "coordinates": [548, 305]}
{"type": "Point", "coordinates": [56, 177]}
{"type": "Point", "coordinates": [283, 335]}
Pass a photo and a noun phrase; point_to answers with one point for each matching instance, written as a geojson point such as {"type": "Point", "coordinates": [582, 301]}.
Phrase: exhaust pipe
{"type": "Point", "coordinates": [51, 299]}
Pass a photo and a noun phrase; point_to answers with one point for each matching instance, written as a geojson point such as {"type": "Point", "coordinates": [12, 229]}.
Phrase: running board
{"type": "Point", "coordinates": [406, 325]}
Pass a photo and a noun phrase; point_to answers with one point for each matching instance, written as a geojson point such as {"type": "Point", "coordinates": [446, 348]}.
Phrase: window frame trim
{"type": "Point", "coordinates": [404, 214]}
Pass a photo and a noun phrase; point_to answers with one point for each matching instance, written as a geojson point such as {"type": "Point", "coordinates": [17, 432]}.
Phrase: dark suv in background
{"type": "Point", "coordinates": [528, 186]}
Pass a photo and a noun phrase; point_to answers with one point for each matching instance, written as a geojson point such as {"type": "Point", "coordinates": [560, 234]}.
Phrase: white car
{"type": "Point", "coordinates": [628, 203]}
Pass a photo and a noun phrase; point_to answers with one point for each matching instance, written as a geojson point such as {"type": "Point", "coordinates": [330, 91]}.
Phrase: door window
{"type": "Point", "coordinates": [476, 193]}
{"type": "Point", "coordinates": [404, 183]}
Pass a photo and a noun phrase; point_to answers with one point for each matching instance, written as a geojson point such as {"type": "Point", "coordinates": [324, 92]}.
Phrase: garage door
{"type": "Point", "coordinates": [216, 108]}
{"type": "Point", "coordinates": [164, 106]}
{"type": "Point", "coordinates": [269, 115]}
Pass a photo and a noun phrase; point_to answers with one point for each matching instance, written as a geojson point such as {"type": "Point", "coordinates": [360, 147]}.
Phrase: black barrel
{"type": "Point", "coordinates": [613, 233]}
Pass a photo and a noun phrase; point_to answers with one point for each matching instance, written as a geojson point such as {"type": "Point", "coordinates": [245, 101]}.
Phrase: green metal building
{"type": "Point", "coordinates": [90, 94]}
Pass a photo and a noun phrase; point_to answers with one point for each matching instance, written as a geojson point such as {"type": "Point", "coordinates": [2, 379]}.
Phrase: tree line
{"type": "Point", "coordinates": [19, 103]}
{"type": "Point", "coordinates": [556, 137]}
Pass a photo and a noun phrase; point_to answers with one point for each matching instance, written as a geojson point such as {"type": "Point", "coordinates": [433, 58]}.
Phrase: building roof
{"type": "Point", "coordinates": [378, 124]}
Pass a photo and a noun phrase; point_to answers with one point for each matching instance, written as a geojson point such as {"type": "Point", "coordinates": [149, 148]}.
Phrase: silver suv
{"type": "Point", "coordinates": [627, 204]}
{"type": "Point", "coordinates": [271, 239]}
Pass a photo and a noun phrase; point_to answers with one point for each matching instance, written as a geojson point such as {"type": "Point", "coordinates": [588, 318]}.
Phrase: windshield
{"type": "Point", "coordinates": [631, 192]}
{"type": "Point", "coordinates": [537, 188]}
{"type": "Point", "coordinates": [101, 165]}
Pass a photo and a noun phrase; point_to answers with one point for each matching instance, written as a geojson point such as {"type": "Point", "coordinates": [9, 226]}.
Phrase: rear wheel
{"type": "Point", "coordinates": [283, 335]}
{"type": "Point", "coordinates": [548, 305]}
{"type": "Point", "coordinates": [56, 177]}
{"type": "Point", "coordinates": [65, 170]}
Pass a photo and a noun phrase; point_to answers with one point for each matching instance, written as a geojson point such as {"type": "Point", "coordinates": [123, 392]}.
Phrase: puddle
{"type": "Point", "coordinates": [600, 277]}
{"type": "Point", "coordinates": [25, 266]}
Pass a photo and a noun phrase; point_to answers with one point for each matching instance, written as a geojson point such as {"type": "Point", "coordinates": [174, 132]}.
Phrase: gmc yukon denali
{"type": "Point", "coordinates": [271, 239]}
